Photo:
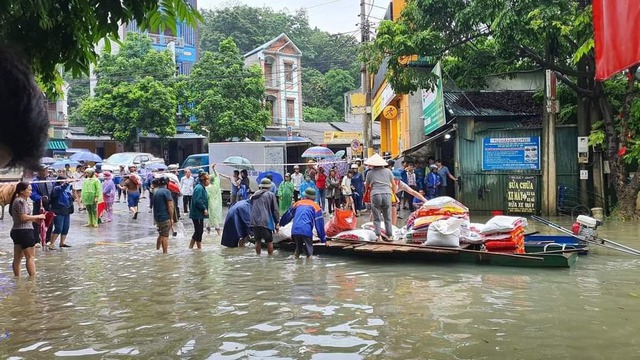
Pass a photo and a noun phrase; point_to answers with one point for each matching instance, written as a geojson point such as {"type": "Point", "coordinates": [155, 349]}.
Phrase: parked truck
{"type": "Point", "coordinates": [263, 155]}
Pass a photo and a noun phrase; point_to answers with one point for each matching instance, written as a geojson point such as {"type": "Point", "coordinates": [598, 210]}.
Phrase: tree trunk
{"type": "Point", "coordinates": [626, 189]}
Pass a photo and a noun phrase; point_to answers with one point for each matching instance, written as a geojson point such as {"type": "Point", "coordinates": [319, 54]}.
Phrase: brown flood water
{"type": "Point", "coordinates": [125, 300]}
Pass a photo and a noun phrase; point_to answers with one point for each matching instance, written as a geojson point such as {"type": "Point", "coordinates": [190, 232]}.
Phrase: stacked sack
{"type": "Point", "coordinates": [440, 208]}
{"type": "Point", "coordinates": [342, 220]}
{"type": "Point", "coordinates": [505, 234]}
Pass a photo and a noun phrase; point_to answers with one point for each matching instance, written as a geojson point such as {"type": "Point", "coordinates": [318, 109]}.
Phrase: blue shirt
{"type": "Point", "coordinates": [160, 197]}
{"type": "Point", "coordinates": [444, 174]}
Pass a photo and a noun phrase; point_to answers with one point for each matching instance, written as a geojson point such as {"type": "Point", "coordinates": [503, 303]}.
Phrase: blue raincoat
{"type": "Point", "coordinates": [236, 224]}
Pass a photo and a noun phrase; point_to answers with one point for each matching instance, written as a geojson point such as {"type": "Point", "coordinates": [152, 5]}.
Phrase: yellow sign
{"type": "Point", "coordinates": [342, 137]}
{"type": "Point", "coordinates": [383, 99]}
{"type": "Point", "coordinates": [390, 112]}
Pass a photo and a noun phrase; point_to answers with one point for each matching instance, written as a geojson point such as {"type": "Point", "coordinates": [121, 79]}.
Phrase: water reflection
{"type": "Point", "coordinates": [107, 301]}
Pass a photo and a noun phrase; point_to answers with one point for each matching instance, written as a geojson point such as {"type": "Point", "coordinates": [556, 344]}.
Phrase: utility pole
{"type": "Point", "coordinates": [549, 199]}
{"type": "Point", "coordinates": [366, 87]}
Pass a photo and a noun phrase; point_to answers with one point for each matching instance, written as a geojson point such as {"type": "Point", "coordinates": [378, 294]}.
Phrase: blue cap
{"type": "Point", "coordinates": [397, 174]}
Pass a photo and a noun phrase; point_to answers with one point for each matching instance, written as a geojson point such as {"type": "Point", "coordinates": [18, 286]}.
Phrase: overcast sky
{"type": "Point", "coordinates": [334, 16]}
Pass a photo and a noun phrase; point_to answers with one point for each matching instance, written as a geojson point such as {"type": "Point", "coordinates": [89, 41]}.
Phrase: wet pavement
{"type": "Point", "coordinates": [112, 295]}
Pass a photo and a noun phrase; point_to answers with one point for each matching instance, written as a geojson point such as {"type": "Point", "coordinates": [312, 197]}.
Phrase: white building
{"type": "Point", "coordinates": [280, 62]}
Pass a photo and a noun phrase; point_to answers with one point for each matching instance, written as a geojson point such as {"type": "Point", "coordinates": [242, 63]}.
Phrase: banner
{"type": "Point", "coordinates": [511, 153]}
{"type": "Point", "coordinates": [521, 194]}
{"type": "Point", "coordinates": [342, 137]}
{"type": "Point", "coordinates": [617, 39]}
{"type": "Point", "coordinates": [433, 113]}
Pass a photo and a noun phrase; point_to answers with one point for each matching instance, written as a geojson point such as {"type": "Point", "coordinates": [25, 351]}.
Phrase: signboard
{"type": "Point", "coordinates": [355, 145]}
{"type": "Point", "coordinates": [584, 174]}
{"type": "Point", "coordinates": [583, 150]}
{"type": "Point", "coordinates": [521, 194]}
{"type": "Point", "coordinates": [511, 153]}
{"type": "Point", "coordinates": [386, 95]}
{"type": "Point", "coordinates": [390, 112]}
{"type": "Point", "coordinates": [433, 113]}
{"type": "Point", "coordinates": [342, 137]}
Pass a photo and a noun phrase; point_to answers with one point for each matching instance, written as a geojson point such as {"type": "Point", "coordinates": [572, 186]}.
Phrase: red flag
{"type": "Point", "coordinates": [617, 39]}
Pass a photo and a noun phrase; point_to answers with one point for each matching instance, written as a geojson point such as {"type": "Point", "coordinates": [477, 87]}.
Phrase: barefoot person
{"type": "Point", "coordinates": [22, 232]}
{"type": "Point", "coordinates": [162, 212]}
{"type": "Point", "coordinates": [264, 216]}
{"type": "Point", "coordinates": [199, 209]}
{"type": "Point", "coordinates": [132, 186]}
{"type": "Point", "coordinates": [306, 214]}
{"type": "Point", "coordinates": [237, 224]}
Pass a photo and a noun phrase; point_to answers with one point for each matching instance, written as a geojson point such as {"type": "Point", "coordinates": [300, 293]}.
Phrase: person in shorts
{"type": "Point", "coordinates": [162, 212]}
{"type": "Point", "coordinates": [305, 214]}
{"type": "Point", "coordinates": [264, 216]}
{"type": "Point", "coordinates": [22, 233]}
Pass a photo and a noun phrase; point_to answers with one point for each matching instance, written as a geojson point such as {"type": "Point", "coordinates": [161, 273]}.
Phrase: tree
{"type": "Point", "coordinates": [227, 97]}
{"type": "Point", "coordinates": [53, 32]}
{"type": "Point", "coordinates": [78, 91]}
{"type": "Point", "coordinates": [314, 114]}
{"type": "Point", "coordinates": [493, 36]}
{"type": "Point", "coordinates": [134, 93]}
{"type": "Point", "coordinates": [338, 82]}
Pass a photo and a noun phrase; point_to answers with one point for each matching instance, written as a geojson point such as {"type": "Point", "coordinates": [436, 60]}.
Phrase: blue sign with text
{"type": "Point", "coordinates": [521, 153]}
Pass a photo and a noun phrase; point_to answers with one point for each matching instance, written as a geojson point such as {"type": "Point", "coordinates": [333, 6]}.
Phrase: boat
{"type": "Point", "coordinates": [544, 243]}
{"type": "Point", "coordinates": [470, 254]}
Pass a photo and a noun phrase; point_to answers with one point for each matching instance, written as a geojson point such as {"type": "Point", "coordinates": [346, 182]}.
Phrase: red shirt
{"type": "Point", "coordinates": [321, 181]}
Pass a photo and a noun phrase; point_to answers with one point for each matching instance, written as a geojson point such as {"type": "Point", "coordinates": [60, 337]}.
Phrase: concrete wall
{"type": "Point", "coordinates": [525, 81]}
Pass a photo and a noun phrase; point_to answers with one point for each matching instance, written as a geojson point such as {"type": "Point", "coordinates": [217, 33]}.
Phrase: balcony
{"type": "Point", "coordinates": [57, 119]}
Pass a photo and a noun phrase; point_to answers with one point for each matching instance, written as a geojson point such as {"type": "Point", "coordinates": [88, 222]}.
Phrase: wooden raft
{"type": "Point", "coordinates": [382, 248]}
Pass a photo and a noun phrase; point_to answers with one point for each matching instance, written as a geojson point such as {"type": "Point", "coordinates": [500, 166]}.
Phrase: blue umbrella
{"type": "Point", "coordinates": [86, 156]}
{"type": "Point", "coordinates": [317, 152]}
{"type": "Point", "coordinates": [60, 164]}
{"type": "Point", "coordinates": [276, 178]}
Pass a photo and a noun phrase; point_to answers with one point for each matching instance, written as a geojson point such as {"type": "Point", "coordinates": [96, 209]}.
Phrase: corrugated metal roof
{"type": "Point", "coordinates": [491, 103]}
{"type": "Point", "coordinates": [186, 135]}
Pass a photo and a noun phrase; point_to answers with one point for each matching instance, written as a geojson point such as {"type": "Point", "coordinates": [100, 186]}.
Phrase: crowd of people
{"type": "Point", "coordinates": [304, 197]}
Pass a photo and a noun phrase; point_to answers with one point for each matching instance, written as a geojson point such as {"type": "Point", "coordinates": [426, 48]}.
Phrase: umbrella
{"type": "Point", "coordinates": [60, 164]}
{"type": "Point", "coordinates": [317, 152]}
{"type": "Point", "coordinates": [47, 160]}
{"type": "Point", "coordinates": [340, 154]}
{"type": "Point", "coordinates": [276, 178]}
{"type": "Point", "coordinates": [86, 156]}
{"type": "Point", "coordinates": [157, 166]}
{"type": "Point", "coordinates": [238, 162]}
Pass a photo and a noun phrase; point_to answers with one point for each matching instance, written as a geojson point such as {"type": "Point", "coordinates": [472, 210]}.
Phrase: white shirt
{"type": "Point", "coordinates": [346, 186]}
{"type": "Point", "coordinates": [296, 179]}
{"type": "Point", "coordinates": [186, 185]}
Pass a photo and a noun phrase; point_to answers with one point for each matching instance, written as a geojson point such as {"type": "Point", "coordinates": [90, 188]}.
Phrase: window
{"type": "Point", "coordinates": [288, 72]}
{"type": "Point", "coordinates": [268, 77]}
{"type": "Point", "coordinates": [291, 109]}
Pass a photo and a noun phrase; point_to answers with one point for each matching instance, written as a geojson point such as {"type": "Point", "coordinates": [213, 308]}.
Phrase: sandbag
{"type": "Point", "coordinates": [359, 235]}
{"type": "Point", "coordinates": [445, 203]}
{"type": "Point", "coordinates": [444, 233]}
{"type": "Point", "coordinates": [342, 220]}
{"type": "Point", "coordinates": [503, 223]}
{"type": "Point", "coordinates": [369, 226]}
{"type": "Point", "coordinates": [283, 234]}
{"type": "Point", "coordinates": [422, 223]}
{"type": "Point", "coordinates": [415, 236]}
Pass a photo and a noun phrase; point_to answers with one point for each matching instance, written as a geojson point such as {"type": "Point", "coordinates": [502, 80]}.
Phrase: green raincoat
{"type": "Point", "coordinates": [91, 189]}
{"type": "Point", "coordinates": [215, 200]}
{"type": "Point", "coordinates": [285, 195]}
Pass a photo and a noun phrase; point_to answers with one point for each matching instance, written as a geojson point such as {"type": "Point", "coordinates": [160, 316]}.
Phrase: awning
{"type": "Point", "coordinates": [440, 133]}
{"type": "Point", "coordinates": [57, 145]}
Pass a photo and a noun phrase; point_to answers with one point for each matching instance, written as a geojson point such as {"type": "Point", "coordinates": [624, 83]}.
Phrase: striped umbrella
{"type": "Point", "coordinates": [317, 152]}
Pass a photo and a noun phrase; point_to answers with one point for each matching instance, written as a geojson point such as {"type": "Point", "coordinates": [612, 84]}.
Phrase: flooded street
{"type": "Point", "coordinates": [113, 296]}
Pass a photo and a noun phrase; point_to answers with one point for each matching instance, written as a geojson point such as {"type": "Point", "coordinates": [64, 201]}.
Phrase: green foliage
{"type": "Point", "coordinates": [321, 52]}
{"type": "Point", "coordinates": [53, 32]}
{"type": "Point", "coordinates": [78, 91]}
{"type": "Point", "coordinates": [135, 93]}
{"type": "Point", "coordinates": [314, 114]}
{"type": "Point", "coordinates": [227, 97]}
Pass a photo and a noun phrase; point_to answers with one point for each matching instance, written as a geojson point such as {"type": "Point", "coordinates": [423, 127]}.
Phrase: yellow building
{"type": "Point", "coordinates": [393, 110]}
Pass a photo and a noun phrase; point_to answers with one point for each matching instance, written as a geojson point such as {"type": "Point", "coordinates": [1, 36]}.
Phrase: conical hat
{"type": "Point", "coordinates": [375, 160]}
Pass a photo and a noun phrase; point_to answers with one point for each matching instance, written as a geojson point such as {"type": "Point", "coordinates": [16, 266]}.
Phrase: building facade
{"type": "Point", "coordinates": [280, 61]}
{"type": "Point", "coordinates": [183, 44]}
